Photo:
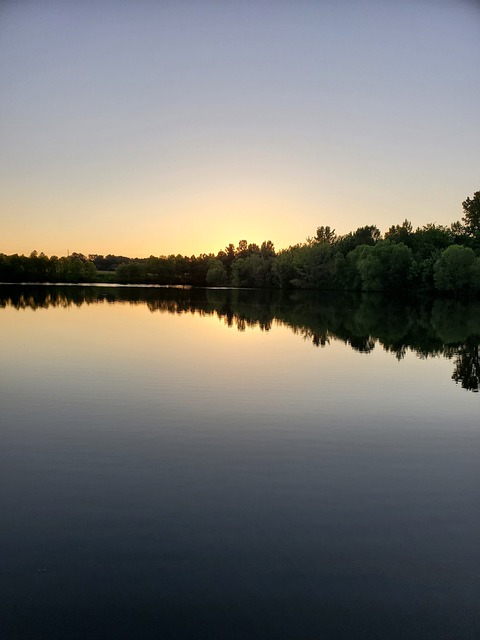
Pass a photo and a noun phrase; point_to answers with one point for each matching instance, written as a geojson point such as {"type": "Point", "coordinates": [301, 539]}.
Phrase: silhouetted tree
{"type": "Point", "coordinates": [367, 235]}
{"type": "Point", "coordinates": [216, 274]}
{"type": "Point", "coordinates": [325, 234]}
{"type": "Point", "coordinates": [267, 249]}
{"type": "Point", "coordinates": [471, 217]}
{"type": "Point", "coordinates": [401, 233]}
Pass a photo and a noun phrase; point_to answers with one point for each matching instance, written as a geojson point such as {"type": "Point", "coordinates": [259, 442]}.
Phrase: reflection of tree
{"type": "Point", "coordinates": [320, 340]}
{"type": "Point", "coordinates": [363, 344]}
{"type": "Point", "coordinates": [429, 328]}
{"type": "Point", "coordinates": [467, 367]}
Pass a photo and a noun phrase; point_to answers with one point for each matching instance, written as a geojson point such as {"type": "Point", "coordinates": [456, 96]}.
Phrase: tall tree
{"type": "Point", "coordinates": [400, 232]}
{"type": "Point", "coordinates": [267, 249]}
{"type": "Point", "coordinates": [471, 210]}
{"type": "Point", "coordinates": [325, 234]}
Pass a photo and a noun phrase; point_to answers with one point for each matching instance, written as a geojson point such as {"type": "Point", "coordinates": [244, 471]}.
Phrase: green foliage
{"type": "Point", "coordinates": [386, 266]}
{"type": "Point", "coordinates": [430, 238]}
{"type": "Point", "coordinates": [131, 272]}
{"type": "Point", "coordinates": [40, 268]}
{"type": "Point", "coordinates": [314, 267]}
{"type": "Point", "coordinates": [107, 263]}
{"type": "Point", "coordinates": [433, 257]}
{"type": "Point", "coordinates": [283, 269]}
{"type": "Point", "coordinates": [454, 270]}
{"type": "Point", "coordinates": [400, 233]}
{"type": "Point", "coordinates": [475, 275]}
{"type": "Point", "coordinates": [216, 274]}
{"type": "Point", "coordinates": [367, 235]}
{"type": "Point", "coordinates": [252, 271]}
{"type": "Point", "coordinates": [353, 280]}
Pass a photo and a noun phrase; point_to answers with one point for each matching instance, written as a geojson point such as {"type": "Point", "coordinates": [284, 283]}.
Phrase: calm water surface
{"type": "Point", "coordinates": [215, 464]}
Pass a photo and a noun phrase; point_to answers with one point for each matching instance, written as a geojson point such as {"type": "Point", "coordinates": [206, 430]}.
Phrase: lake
{"type": "Point", "coordinates": [191, 463]}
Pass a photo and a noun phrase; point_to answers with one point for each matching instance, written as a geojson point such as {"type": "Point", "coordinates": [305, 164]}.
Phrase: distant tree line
{"type": "Point", "coordinates": [433, 257]}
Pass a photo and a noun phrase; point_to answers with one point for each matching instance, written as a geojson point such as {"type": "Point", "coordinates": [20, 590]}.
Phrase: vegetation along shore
{"type": "Point", "coordinates": [431, 258]}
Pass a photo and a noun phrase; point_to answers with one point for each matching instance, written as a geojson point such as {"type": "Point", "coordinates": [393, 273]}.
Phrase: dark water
{"type": "Point", "coordinates": [215, 464]}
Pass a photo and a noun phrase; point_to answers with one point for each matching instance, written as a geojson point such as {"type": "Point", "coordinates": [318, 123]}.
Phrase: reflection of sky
{"type": "Point", "coordinates": [150, 459]}
{"type": "Point", "coordinates": [141, 361]}
{"type": "Point", "coordinates": [151, 128]}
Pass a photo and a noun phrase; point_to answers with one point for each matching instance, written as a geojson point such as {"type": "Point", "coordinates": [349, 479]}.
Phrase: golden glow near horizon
{"type": "Point", "coordinates": [192, 225]}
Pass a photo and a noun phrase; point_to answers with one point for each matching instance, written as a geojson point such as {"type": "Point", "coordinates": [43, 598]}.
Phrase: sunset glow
{"type": "Point", "coordinates": [157, 128]}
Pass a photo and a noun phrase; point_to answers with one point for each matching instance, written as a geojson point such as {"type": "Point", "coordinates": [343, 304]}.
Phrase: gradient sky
{"type": "Point", "coordinates": [142, 127]}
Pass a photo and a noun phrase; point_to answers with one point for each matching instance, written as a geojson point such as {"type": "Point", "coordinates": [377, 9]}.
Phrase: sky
{"type": "Point", "coordinates": [156, 127]}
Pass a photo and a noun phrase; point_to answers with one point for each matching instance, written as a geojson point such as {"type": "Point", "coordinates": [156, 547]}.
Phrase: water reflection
{"type": "Point", "coordinates": [428, 327]}
{"type": "Point", "coordinates": [166, 476]}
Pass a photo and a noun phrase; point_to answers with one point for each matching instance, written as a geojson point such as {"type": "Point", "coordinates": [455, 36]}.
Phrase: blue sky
{"type": "Point", "coordinates": [143, 128]}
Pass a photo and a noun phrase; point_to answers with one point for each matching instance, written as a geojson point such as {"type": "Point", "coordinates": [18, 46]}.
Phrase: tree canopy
{"type": "Point", "coordinates": [433, 257]}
